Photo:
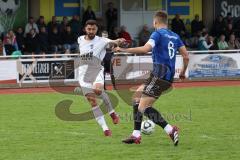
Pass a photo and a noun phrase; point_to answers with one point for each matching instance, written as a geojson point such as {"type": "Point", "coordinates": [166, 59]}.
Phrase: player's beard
{"type": "Point", "coordinates": [91, 36]}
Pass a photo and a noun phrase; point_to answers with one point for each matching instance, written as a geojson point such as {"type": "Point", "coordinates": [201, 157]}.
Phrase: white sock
{"type": "Point", "coordinates": [107, 102]}
{"type": "Point", "coordinates": [100, 117]}
{"type": "Point", "coordinates": [168, 129]}
{"type": "Point", "coordinates": [136, 133]}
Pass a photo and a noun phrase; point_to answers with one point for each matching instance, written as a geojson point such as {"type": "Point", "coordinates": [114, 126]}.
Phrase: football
{"type": "Point", "coordinates": [9, 7]}
{"type": "Point", "coordinates": [147, 127]}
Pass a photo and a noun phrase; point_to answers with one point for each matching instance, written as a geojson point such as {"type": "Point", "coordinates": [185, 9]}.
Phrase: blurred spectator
{"type": "Point", "coordinates": [76, 25]}
{"type": "Point", "coordinates": [41, 22]}
{"type": "Point", "coordinates": [1, 47]}
{"type": "Point", "coordinates": [237, 28]}
{"type": "Point", "coordinates": [31, 25]}
{"type": "Point", "coordinates": [115, 33]}
{"type": "Point", "coordinates": [212, 40]}
{"type": "Point", "coordinates": [107, 62]}
{"type": "Point", "coordinates": [32, 44]}
{"type": "Point", "coordinates": [202, 43]}
{"type": "Point", "coordinates": [178, 26]}
{"type": "Point", "coordinates": [124, 34]}
{"type": "Point", "coordinates": [111, 17]}
{"type": "Point", "coordinates": [196, 25]}
{"type": "Point", "coordinates": [222, 44]}
{"type": "Point", "coordinates": [88, 14]}
{"type": "Point", "coordinates": [101, 26]}
{"type": "Point", "coordinates": [20, 39]}
{"type": "Point", "coordinates": [43, 40]}
{"type": "Point", "coordinates": [1, 36]}
{"type": "Point", "coordinates": [63, 24]}
{"type": "Point", "coordinates": [219, 26]}
{"type": "Point", "coordinates": [55, 40]}
{"type": "Point", "coordinates": [229, 31]}
{"type": "Point", "coordinates": [52, 24]}
{"type": "Point", "coordinates": [10, 43]}
{"type": "Point", "coordinates": [228, 19]}
{"type": "Point", "coordinates": [233, 43]}
{"type": "Point", "coordinates": [144, 35]}
{"type": "Point", "coordinates": [69, 40]}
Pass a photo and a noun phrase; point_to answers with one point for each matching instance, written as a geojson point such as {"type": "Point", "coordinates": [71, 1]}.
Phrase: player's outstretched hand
{"type": "Point", "coordinates": [121, 40]}
{"type": "Point", "coordinates": [182, 76]}
{"type": "Point", "coordinates": [117, 49]}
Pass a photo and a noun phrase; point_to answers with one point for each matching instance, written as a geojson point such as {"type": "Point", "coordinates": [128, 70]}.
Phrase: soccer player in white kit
{"type": "Point", "coordinates": [92, 51]}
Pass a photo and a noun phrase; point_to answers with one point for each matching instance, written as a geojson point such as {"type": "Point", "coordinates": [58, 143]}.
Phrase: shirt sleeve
{"type": "Point", "coordinates": [79, 40]}
{"type": "Point", "coordinates": [154, 38]}
{"type": "Point", "coordinates": [106, 42]}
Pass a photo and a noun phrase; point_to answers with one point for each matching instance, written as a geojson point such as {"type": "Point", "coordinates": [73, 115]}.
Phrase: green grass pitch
{"type": "Point", "coordinates": [207, 116]}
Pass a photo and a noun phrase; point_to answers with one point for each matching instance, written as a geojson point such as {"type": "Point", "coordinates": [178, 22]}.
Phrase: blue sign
{"type": "Point", "coordinates": [67, 7]}
{"type": "Point", "coordinates": [178, 9]}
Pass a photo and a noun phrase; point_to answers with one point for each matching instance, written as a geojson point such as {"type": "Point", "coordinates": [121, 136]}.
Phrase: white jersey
{"type": "Point", "coordinates": [92, 51]}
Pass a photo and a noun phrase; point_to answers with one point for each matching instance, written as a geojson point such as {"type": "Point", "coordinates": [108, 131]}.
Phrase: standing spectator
{"type": "Point", "coordinates": [124, 34]}
{"type": "Point", "coordinates": [222, 44]}
{"type": "Point", "coordinates": [41, 22]}
{"type": "Point", "coordinates": [52, 24]}
{"type": "Point", "coordinates": [32, 44]}
{"type": "Point", "coordinates": [144, 35]}
{"type": "Point", "coordinates": [31, 25]}
{"type": "Point", "coordinates": [107, 63]}
{"type": "Point", "coordinates": [88, 14]}
{"type": "Point", "coordinates": [115, 33]}
{"type": "Point", "coordinates": [111, 17]}
{"type": "Point", "coordinates": [20, 39]}
{"type": "Point", "coordinates": [229, 31]}
{"type": "Point", "coordinates": [233, 43]}
{"type": "Point", "coordinates": [228, 19]}
{"type": "Point", "coordinates": [69, 40]}
{"type": "Point", "coordinates": [55, 40]}
{"type": "Point", "coordinates": [63, 24]}
{"type": "Point", "coordinates": [1, 47]}
{"type": "Point", "coordinates": [43, 40]}
{"type": "Point", "coordinates": [10, 43]}
{"type": "Point", "coordinates": [202, 43]}
{"type": "Point", "coordinates": [196, 25]}
{"type": "Point", "coordinates": [178, 26]}
{"type": "Point", "coordinates": [76, 25]}
{"type": "Point", "coordinates": [101, 26]}
{"type": "Point", "coordinates": [219, 26]}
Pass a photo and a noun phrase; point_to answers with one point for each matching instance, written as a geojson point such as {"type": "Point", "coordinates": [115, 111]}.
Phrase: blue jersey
{"type": "Point", "coordinates": [165, 44]}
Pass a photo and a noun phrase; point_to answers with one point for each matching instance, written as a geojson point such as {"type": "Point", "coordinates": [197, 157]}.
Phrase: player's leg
{"type": "Point", "coordinates": [87, 89]}
{"type": "Point", "coordinates": [98, 86]}
{"type": "Point", "coordinates": [151, 93]}
{"type": "Point", "coordinates": [137, 116]}
{"type": "Point", "coordinates": [98, 114]}
{"type": "Point", "coordinates": [112, 76]}
{"type": "Point", "coordinates": [152, 90]}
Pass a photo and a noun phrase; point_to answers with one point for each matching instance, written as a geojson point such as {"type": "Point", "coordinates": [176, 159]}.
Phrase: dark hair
{"type": "Point", "coordinates": [91, 22]}
{"type": "Point", "coordinates": [162, 16]}
{"type": "Point", "coordinates": [204, 34]}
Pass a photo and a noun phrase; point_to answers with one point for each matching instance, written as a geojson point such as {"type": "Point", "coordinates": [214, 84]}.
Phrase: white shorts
{"type": "Point", "coordinates": [89, 76]}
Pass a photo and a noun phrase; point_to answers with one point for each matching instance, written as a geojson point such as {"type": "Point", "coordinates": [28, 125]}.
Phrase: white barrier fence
{"type": "Point", "coordinates": [127, 67]}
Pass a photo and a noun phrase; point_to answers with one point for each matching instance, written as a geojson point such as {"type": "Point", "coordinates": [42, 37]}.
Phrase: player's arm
{"type": "Point", "coordinates": [116, 42]}
{"type": "Point", "coordinates": [137, 50]}
{"type": "Point", "coordinates": [184, 53]}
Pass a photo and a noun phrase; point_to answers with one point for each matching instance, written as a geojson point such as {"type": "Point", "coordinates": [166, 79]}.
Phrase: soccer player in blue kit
{"type": "Point", "coordinates": [164, 45]}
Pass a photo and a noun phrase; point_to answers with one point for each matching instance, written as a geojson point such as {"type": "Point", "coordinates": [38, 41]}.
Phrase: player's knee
{"type": "Point", "coordinates": [135, 99]}
{"type": "Point", "coordinates": [98, 92]}
{"type": "Point", "coordinates": [141, 109]}
{"type": "Point", "coordinates": [92, 100]}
